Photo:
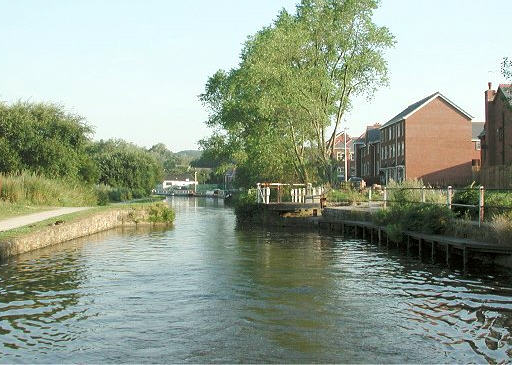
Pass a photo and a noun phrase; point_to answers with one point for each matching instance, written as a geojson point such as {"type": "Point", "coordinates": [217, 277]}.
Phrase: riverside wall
{"type": "Point", "coordinates": [58, 233]}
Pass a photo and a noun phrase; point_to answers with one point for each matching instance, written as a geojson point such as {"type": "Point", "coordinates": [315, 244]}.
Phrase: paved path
{"type": "Point", "coordinates": [20, 221]}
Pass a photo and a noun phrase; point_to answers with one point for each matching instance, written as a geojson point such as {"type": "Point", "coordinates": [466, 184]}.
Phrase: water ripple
{"type": "Point", "coordinates": [206, 291]}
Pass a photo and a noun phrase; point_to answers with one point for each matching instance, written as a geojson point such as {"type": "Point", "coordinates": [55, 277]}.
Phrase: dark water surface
{"type": "Point", "coordinates": [205, 291]}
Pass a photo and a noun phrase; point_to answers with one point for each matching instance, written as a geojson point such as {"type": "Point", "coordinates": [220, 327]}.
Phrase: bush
{"type": "Point", "coordinates": [161, 213]}
{"type": "Point", "coordinates": [410, 191]}
{"type": "Point", "coordinates": [425, 218]}
{"type": "Point", "coordinates": [246, 206]}
{"type": "Point", "coordinates": [107, 194]}
{"type": "Point", "coordinates": [346, 195]}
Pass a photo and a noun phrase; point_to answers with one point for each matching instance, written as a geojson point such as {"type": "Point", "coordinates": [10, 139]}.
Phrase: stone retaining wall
{"type": "Point", "coordinates": [338, 214]}
{"type": "Point", "coordinates": [54, 234]}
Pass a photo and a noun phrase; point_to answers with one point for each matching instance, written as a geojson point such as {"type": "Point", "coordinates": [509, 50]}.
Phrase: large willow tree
{"type": "Point", "coordinates": [294, 83]}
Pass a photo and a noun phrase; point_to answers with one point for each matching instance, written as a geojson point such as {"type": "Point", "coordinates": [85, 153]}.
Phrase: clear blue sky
{"type": "Point", "coordinates": [134, 68]}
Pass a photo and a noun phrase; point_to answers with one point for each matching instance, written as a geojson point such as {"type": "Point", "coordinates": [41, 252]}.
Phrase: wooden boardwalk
{"type": "Point", "coordinates": [420, 242]}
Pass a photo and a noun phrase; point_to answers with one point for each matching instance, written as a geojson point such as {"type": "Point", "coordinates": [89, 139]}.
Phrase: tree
{"type": "Point", "coordinates": [125, 165]}
{"type": "Point", "coordinates": [506, 68]}
{"type": "Point", "coordinates": [44, 139]}
{"type": "Point", "coordinates": [297, 79]}
{"type": "Point", "coordinates": [168, 159]}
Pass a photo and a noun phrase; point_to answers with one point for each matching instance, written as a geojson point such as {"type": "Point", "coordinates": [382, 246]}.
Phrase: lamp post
{"type": "Point", "coordinates": [345, 157]}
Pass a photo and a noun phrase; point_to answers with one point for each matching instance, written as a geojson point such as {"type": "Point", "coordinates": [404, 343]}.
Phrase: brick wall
{"type": "Point", "coordinates": [498, 128]}
{"type": "Point", "coordinates": [438, 147]}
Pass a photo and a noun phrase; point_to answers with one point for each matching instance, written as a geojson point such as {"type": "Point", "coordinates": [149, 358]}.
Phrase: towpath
{"type": "Point", "coordinates": [23, 220]}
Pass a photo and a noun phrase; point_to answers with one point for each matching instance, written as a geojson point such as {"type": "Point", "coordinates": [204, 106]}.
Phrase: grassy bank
{"type": "Point", "coordinates": [27, 193]}
{"type": "Point", "coordinates": [28, 189]}
{"type": "Point", "coordinates": [151, 213]}
{"type": "Point", "coordinates": [8, 210]}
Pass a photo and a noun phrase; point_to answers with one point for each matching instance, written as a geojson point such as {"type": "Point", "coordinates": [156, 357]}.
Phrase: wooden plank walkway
{"type": "Point", "coordinates": [449, 245]}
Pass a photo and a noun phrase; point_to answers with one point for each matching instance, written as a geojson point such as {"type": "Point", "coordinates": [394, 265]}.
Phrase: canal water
{"type": "Point", "coordinates": [209, 291]}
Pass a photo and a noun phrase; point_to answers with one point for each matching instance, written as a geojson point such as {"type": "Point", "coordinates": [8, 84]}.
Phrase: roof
{"type": "Point", "coordinates": [373, 135]}
{"type": "Point", "coordinates": [476, 129]}
{"type": "Point", "coordinates": [506, 89]}
{"type": "Point", "coordinates": [179, 177]}
{"type": "Point", "coordinates": [419, 104]}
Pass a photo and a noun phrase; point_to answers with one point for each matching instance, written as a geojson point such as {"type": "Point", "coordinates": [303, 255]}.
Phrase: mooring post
{"type": "Point", "coordinates": [258, 193]}
{"type": "Point", "coordinates": [380, 236]}
{"type": "Point", "coordinates": [447, 255]}
{"type": "Point", "coordinates": [343, 228]}
{"type": "Point", "coordinates": [364, 232]}
{"type": "Point", "coordinates": [465, 258]}
{"type": "Point", "coordinates": [370, 197]}
{"type": "Point", "coordinates": [433, 257]}
{"type": "Point", "coordinates": [420, 247]}
{"type": "Point", "coordinates": [481, 206]}
{"type": "Point", "coordinates": [449, 197]}
{"type": "Point", "coordinates": [423, 194]}
{"type": "Point", "coordinates": [371, 235]}
{"type": "Point", "coordinates": [385, 197]}
{"type": "Point", "coordinates": [408, 245]}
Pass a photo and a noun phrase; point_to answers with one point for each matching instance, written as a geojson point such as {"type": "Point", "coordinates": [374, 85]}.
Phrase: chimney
{"type": "Point", "coordinates": [489, 97]}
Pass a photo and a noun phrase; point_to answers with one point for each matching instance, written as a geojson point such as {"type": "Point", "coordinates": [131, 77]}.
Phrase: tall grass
{"type": "Point", "coordinates": [31, 189]}
{"type": "Point", "coordinates": [410, 191]}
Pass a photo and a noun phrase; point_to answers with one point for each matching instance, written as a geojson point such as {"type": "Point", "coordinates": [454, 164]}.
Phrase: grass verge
{"type": "Point", "coordinates": [8, 210]}
{"type": "Point", "coordinates": [156, 213]}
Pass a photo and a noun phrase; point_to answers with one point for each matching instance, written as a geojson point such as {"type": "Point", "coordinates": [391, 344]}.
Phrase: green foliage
{"type": "Point", "coordinates": [468, 196]}
{"type": "Point", "coordinates": [124, 165]}
{"type": "Point", "coordinates": [506, 68]}
{"type": "Point", "coordinates": [31, 189]}
{"type": "Point", "coordinates": [410, 191]}
{"type": "Point", "coordinates": [501, 225]}
{"type": "Point", "coordinates": [44, 139]}
{"type": "Point", "coordinates": [425, 218]}
{"type": "Point", "coordinates": [160, 213]}
{"type": "Point", "coordinates": [347, 195]}
{"type": "Point", "coordinates": [167, 159]}
{"type": "Point", "coordinates": [246, 207]}
{"type": "Point", "coordinates": [495, 202]}
{"type": "Point", "coordinates": [295, 78]}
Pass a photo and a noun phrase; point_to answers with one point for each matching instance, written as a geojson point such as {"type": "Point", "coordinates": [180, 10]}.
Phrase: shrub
{"type": "Point", "coordinates": [425, 218]}
{"type": "Point", "coordinates": [161, 213]}
{"type": "Point", "coordinates": [246, 206]}
{"type": "Point", "coordinates": [410, 191]}
{"type": "Point", "coordinates": [347, 195]}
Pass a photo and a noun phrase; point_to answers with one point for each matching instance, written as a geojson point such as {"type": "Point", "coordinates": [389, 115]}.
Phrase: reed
{"type": "Point", "coordinates": [32, 189]}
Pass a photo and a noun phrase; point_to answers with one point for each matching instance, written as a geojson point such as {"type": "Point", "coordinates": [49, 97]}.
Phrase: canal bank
{"type": "Point", "coordinates": [359, 223]}
{"type": "Point", "coordinates": [79, 224]}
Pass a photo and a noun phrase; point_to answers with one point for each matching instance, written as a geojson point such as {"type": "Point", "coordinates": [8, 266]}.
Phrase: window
{"type": "Point", "coordinates": [475, 162]}
{"type": "Point", "coordinates": [478, 146]}
{"type": "Point", "coordinates": [339, 155]}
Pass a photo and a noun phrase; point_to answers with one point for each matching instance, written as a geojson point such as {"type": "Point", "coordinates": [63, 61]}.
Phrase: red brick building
{"type": "Point", "coordinates": [339, 154]}
{"type": "Point", "coordinates": [429, 140]}
{"type": "Point", "coordinates": [367, 154]}
{"type": "Point", "coordinates": [476, 145]}
{"type": "Point", "coordinates": [497, 135]}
